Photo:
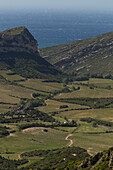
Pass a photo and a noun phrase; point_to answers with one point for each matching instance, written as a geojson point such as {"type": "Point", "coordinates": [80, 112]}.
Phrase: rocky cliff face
{"type": "Point", "coordinates": [18, 40]}
{"type": "Point", "coordinates": [19, 53]}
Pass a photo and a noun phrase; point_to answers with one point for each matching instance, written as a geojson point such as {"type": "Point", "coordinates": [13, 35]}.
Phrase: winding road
{"type": "Point", "coordinates": [68, 138]}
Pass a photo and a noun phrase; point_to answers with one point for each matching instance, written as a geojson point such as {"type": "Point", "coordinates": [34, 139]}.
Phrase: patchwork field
{"type": "Point", "coordinates": [58, 131]}
{"type": "Point", "coordinates": [11, 94]}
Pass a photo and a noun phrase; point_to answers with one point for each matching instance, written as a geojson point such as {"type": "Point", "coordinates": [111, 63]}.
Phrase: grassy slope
{"type": "Point", "coordinates": [32, 139]}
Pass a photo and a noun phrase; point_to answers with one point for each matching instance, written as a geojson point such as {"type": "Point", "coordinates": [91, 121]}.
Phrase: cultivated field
{"type": "Point", "coordinates": [85, 135]}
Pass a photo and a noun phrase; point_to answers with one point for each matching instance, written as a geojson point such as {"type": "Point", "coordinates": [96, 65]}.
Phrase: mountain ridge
{"type": "Point", "coordinates": [89, 56]}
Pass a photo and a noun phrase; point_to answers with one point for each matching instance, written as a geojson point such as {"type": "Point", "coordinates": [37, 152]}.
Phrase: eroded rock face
{"type": "Point", "coordinates": [18, 40]}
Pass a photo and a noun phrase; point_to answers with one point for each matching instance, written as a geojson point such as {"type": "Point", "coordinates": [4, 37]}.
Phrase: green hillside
{"type": "Point", "coordinates": [89, 56]}
{"type": "Point", "coordinates": [101, 161]}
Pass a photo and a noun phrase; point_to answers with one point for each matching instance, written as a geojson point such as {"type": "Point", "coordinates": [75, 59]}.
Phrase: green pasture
{"type": "Point", "coordinates": [6, 107]}
{"type": "Point", "coordinates": [32, 139]}
{"type": "Point", "coordinates": [93, 142]}
{"type": "Point", "coordinates": [88, 128]}
{"type": "Point", "coordinates": [101, 114]}
{"type": "Point", "coordinates": [101, 83]}
{"type": "Point", "coordinates": [85, 91]}
{"type": "Point", "coordinates": [67, 129]}
{"type": "Point", "coordinates": [82, 128]}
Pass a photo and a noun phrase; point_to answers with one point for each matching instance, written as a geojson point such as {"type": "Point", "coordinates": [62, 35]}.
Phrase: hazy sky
{"type": "Point", "coordinates": [57, 4]}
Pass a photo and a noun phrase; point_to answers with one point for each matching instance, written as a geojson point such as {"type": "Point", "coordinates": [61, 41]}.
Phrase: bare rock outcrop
{"type": "Point", "coordinates": [18, 39]}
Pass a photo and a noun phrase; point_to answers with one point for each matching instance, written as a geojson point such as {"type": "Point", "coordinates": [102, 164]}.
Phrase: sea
{"type": "Point", "coordinates": [55, 28]}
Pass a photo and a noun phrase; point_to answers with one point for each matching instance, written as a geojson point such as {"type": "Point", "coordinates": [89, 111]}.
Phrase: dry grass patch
{"type": "Point", "coordinates": [39, 85]}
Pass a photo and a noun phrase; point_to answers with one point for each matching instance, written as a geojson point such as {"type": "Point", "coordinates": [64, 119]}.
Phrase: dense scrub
{"type": "Point", "coordinates": [28, 65]}
{"type": "Point", "coordinates": [52, 125]}
{"type": "Point", "coordinates": [26, 111]}
{"type": "Point", "coordinates": [4, 131]}
{"type": "Point", "coordinates": [6, 164]}
{"type": "Point", "coordinates": [57, 157]}
{"type": "Point", "coordinates": [97, 122]}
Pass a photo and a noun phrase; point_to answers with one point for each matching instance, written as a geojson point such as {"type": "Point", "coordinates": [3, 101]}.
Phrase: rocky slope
{"type": "Point", "coordinates": [101, 161]}
{"type": "Point", "coordinates": [19, 53]}
{"type": "Point", "coordinates": [93, 55]}
{"type": "Point", "coordinates": [17, 39]}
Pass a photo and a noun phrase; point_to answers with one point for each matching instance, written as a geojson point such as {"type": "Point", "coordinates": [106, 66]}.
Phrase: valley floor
{"type": "Point", "coordinates": [82, 116]}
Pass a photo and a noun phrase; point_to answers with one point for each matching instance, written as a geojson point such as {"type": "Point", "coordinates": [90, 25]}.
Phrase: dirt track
{"type": "Point", "coordinates": [68, 138]}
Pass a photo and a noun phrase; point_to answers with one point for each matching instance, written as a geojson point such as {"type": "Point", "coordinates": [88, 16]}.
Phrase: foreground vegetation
{"type": "Point", "coordinates": [57, 157]}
